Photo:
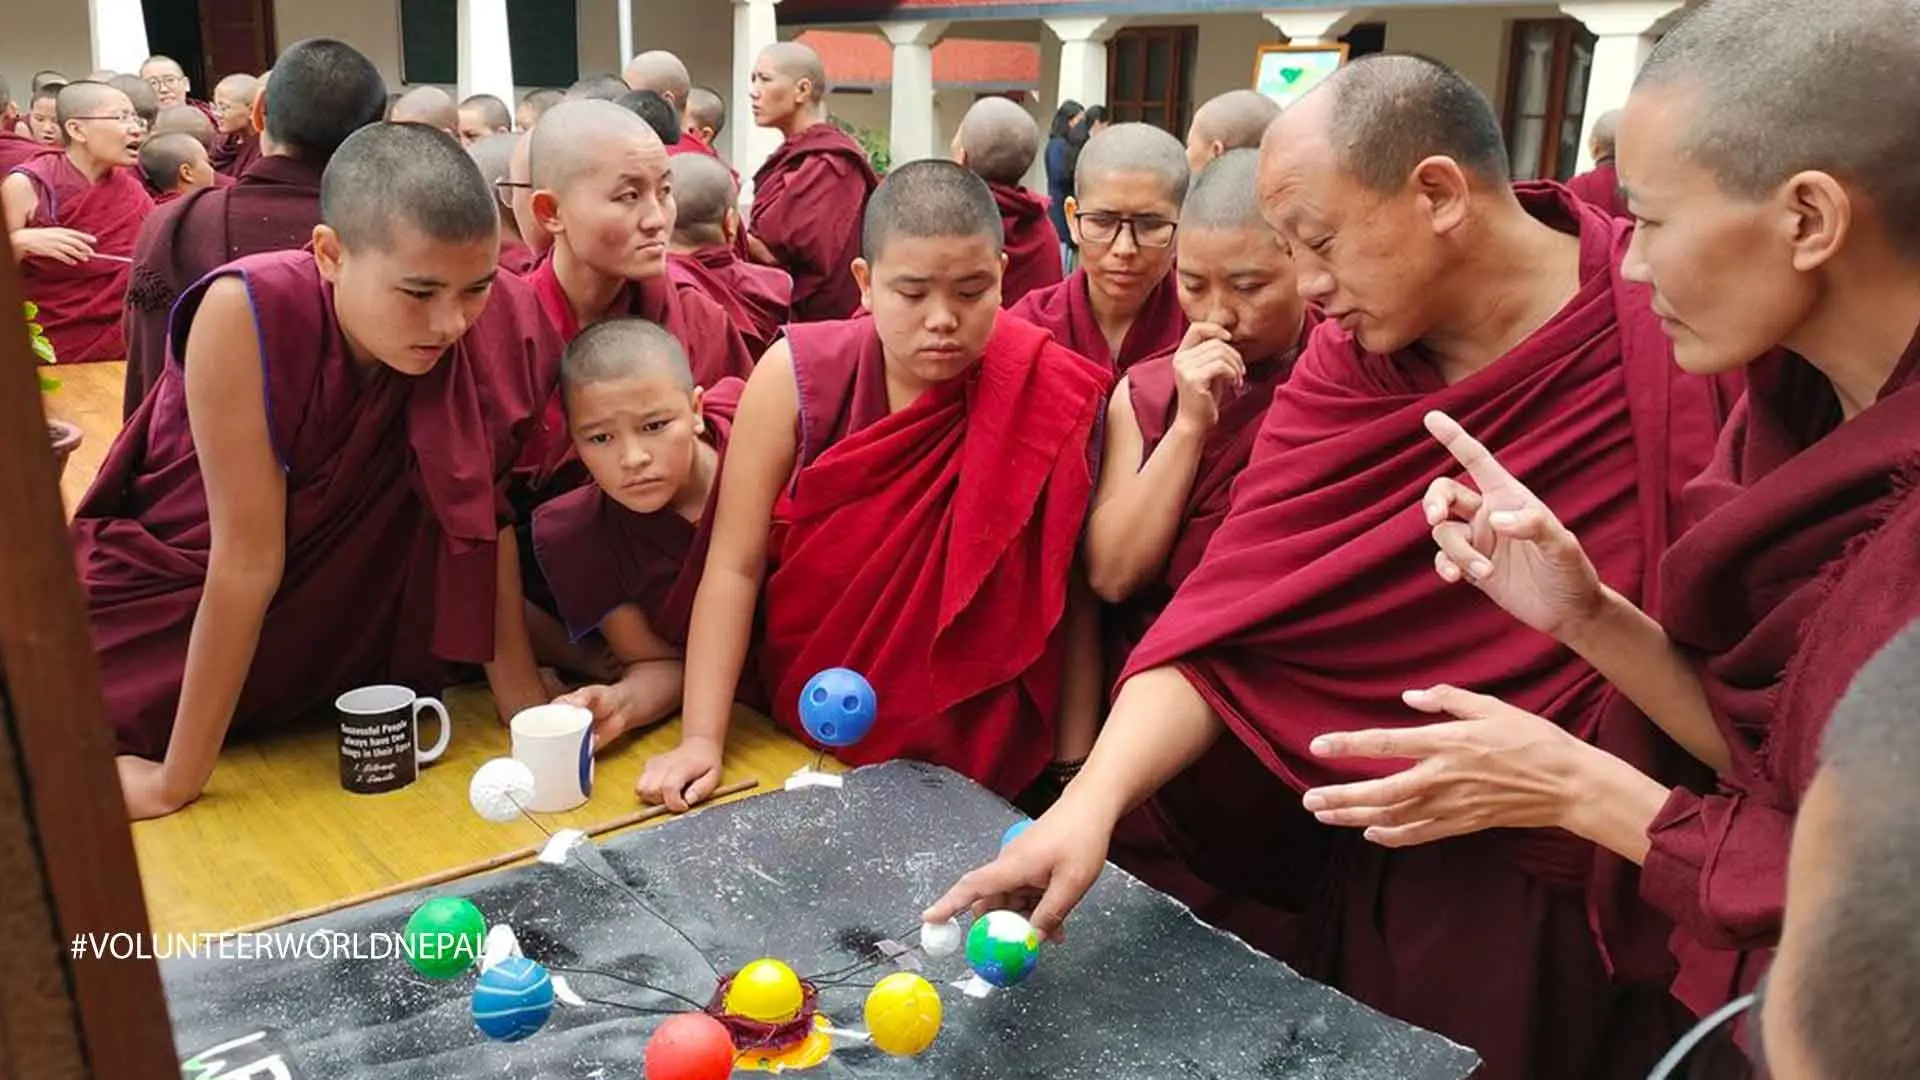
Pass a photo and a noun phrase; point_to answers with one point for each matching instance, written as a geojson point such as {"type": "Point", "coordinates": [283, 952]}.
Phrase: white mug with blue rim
{"type": "Point", "coordinates": [556, 743]}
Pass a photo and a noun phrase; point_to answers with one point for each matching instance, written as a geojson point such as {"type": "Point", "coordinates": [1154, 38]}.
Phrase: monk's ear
{"type": "Point", "coordinates": [699, 410]}
{"type": "Point", "coordinates": [546, 210]}
{"type": "Point", "coordinates": [1817, 218]}
{"type": "Point", "coordinates": [327, 252]}
{"type": "Point", "coordinates": [257, 112]}
{"type": "Point", "coordinates": [730, 225]}
{"type": "Point", "coordinates": [1443, 191]}
{"type": "Point", "coordinates": [863, 277]}
{"type": "Point", "coordinates": [1070, 209]}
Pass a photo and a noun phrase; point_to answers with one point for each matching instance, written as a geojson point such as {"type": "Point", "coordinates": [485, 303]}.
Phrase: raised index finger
{"type": "Point", "coordinates": [1468, 451]}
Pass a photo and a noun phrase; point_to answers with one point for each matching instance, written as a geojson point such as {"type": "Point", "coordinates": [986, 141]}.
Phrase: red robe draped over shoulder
{"type": "Point", "coordinates": [274, 207]}
{"type": "Point", "coordinates": [1317, 605]}
{"type": "Point", "coordinates": [516, 257]}
{"type": "Point", "coordinates": [808, 201]}
{"type": "Point", "coordinates": [234, 154]}
{"type": "Point", "coordinates": [80, 305]}
{"type": "Point", "coordinates": [1600, 189]}
{"type": "Point", "coordinates": [1800, 567]}
{"type": "Point", "coordinates": [1065, 311]}
{"type": "Point", "coordinates": [759, 299]}
{"type": "Point", "coordinates": [1033, 248]}
{"type": "Point", "coordinates": [395, 499]}
{"type": "Point", "coordinates": [930, 549]}
{"type": "Point", "coordinates": [18, 149]}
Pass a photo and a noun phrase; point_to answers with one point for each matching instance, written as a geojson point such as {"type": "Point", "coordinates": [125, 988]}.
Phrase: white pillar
{"type": "Point", "coordinates": [486, 52]}
{"type": "Point", "coordinates": [754, 28]}
{"type": "Point", "coordinates": [625, 10]}
{"type": "Point", "coordinates": [119, 32]}
{"type": "Point", "coordinates": [911, 121]}
{"type": "Point", "coordinates": [1622, 32]}
{"type": "Point", "coordinates": [1316, 26]}
{"type": "Point", "coordinates": [1083, 57]}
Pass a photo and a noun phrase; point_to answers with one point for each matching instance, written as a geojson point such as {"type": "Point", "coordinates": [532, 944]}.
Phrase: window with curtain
{"type": "Point", "coordinates": [545, 41]}
{"type": "Point", "coordinates": [1150, 76]}
{"type": "Point", "coordinates": [1547, 97]}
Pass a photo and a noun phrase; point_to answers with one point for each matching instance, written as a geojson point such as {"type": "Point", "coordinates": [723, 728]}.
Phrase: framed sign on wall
{"type": "Point", "coordinates": [1286, 72]}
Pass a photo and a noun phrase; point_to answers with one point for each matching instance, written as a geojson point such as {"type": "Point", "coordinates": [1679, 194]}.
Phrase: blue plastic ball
{"type": "Point", "coordinates": [1014, 830]}
{"type": "Point", "coordinates": [513, 999]}
{"type": "Point", "coordinates": [837, 707]}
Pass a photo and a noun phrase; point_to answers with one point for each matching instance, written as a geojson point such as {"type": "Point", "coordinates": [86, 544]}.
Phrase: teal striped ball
{"type": "Point", "coordinates": [513, 999]}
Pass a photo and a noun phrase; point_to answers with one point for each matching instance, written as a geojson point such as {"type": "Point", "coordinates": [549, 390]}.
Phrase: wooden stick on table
{"type": "Point", "coordinates": [479, 866]}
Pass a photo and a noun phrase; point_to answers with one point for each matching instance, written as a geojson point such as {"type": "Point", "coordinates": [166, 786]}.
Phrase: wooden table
{"type": "Point", "coordinates": [275, 834]}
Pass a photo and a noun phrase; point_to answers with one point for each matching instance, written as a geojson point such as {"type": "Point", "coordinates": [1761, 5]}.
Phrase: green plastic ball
{"type": "Point", "coordinates": [445, 937]}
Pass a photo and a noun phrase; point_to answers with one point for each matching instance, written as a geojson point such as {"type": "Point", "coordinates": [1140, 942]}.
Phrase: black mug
{"type": "Point", "coordinates": [380, 738]}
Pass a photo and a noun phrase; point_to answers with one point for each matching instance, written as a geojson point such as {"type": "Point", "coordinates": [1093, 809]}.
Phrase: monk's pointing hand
{"type": "Point", "coordinates": [1499, 536]}
{"type": "Point", "coordinates": [1206, 368]}
{"type": "Point", "coordinates": [1046, 870]}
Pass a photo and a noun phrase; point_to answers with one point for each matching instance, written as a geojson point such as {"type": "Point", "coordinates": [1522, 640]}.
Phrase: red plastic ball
{"type": "Point", "coordinates": [691, 1046]}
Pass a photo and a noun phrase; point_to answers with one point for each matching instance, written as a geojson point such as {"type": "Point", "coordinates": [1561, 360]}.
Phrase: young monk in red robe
{"type": "Point", "coordinates": [73, 218]}
{"type": "Point", "coordinates": [312, 498]}
{"type": "Point", "coordinates": [43, 115]}
{"type": "Point", "coordinates": [666, 74]}
{"type": "Point", "coordinates": [623, 554]}
{"type": "Point", "coordinates": [1120, 306]}
{"type": "Point", "coordinates": [493, 154]}
{"type": "Point", "coordinates": [759, 299]}
{"type": "Point", "coordinates": [1315, 605]}
{"type": "Point", "coordinates": [808, 196]}
{"type": "Point", "coordinates": [603, 192]}
{"type": "Point", "coordinates": [174, 164]}
{"type": "Point", "coordinates": [323, 91]}
{"type": "Point", "coordinates": [15, 148]}
{"type": "Point", "coordinates": [237, 143]}
{"type": "Point", "coordinates": [1801, 565]}
{"type": "Point", "coordinates": [1179, 429]}
{"type": "Point", "coordinates": [911, 487]}
{"type": "Point", "coordinates": [998, 140]}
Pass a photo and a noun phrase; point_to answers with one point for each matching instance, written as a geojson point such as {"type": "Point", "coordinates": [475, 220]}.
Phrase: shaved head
{"type": "Point", "coordinates": [85, 98]}
{"type": "Point", "coordinates": [1236, 120]}
{"type": "Point", "coordinates": [572, 136]}
{"type": "Point", "coordinates": [44, 79]}
{"type": "Point", "coordinates": [321, 91]}
{"type": "Point", "coordinates": [703, 193]}
{"type": "Point", "coordinates": [163, 156]}
{"type": "Point", "coordinates": [490, 111]}
{"type": "Point", "coordinates": [537, 102]}
{"type": "Point", "coordinates": [493, 155]}
{"type": "Point", "coordinates": [1226, 194]}
{"type": "Point", "coordinates": [145, 101]}
{"type": "Point", "coordinates": [999, 139]}
{"type": "Point", "coordinates": [599, 88]}
{"type": "Point", "coordinates": [427, 105]}
{"type": "Point", "coordinates": [657, 111]}
{"type": "Point", "coordinates": [1387, 113]}
{"type": "Point", "coordinates": [184, 120]}
{"type": "Point", "coordinates": [1133, 149]}
{"type": "Point", "coordinates": [661, 72]}
{"type": "Point", "coordinates": [623, 348]}
{"type": "Point", "coordinates": [238, 86]}
{"type": "Point", "coordinates": [1605, 131]}
{"type": "Point", "coordinates": [928, 199]}
{"type": "Point", "coordinates": [520, 199]}
{"type": "Point", "coordinates": [388, 175]}
{"type": "Point", "coordinates": [707, 109]}
{"type": "Point", "coordinates": [796, 62]}
{"type": "Point", "coordinates": [1767, 106]}
{"type": "Point", "coordinates": [161, 65]}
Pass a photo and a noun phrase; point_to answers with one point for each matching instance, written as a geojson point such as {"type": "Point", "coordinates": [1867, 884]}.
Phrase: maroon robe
{"type": "Point", "coordinates": [808, 202]}
{"type": "Point", "coordinates": [691, 143]}
{"type": "Point", "coordinates": [516, 257]}
{"type": "Point", "coordinates": [18, 149]}
{"type": "Point", "coordinates": [1600, 189]}
{"type": "Point", "coordinates": [1033, 248]}
{"type": "Point", "coordinates": [1317, 605]}
{"type": "Point", "coordinates": [234, 154]}
{"type": "Point", "coordinates": [759, 299]}
{"type": "Point", "coordinates": [930, 549]}
{"type": "Point", "coordinates": [80, 305]}
{"type": "Point", "coordinates": [394, 505]}
{"type": "Point", "coordinates": [274, 207]}
{"type": "Point", "coordinates": [1066, 311]}
{"type": "Point", "coordinates": [1800, 567]}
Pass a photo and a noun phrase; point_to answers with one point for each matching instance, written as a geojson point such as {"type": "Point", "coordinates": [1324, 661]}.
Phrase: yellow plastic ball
{"type": "Point", "coordinates": [903, 1014]}
{"type": "Point", "coordinates": [767, 991]}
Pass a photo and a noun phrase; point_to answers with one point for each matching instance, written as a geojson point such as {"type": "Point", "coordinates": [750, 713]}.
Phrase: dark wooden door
{"type": "Point", "coordinates": [236, 35]}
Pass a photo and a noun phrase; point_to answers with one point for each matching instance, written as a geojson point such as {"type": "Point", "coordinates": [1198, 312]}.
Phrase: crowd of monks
{"type": "Point", "coordinates": [1441, 582]}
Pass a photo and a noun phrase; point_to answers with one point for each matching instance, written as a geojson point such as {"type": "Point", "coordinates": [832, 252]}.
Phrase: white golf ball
{"type": "Point", "coordinates": [500, 788]}
{"type": "Point", "coordinates": [941, 939]}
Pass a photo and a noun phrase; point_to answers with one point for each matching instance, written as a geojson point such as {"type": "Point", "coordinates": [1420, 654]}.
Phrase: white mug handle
{"type": "Point", "coordinates": [446, 729]}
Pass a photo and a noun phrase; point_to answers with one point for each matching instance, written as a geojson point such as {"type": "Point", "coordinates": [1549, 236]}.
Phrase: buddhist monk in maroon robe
{"type": "Point", "coordinates": [1121, 305]}
{"type": "Point", "coordinates": [1235, 120]}
{"type": "Point", "coordinates": [911, 487]}
{"type": "Point", "coordinates": [73, 218]}
{"type": "Point", "coordinates": [1799, 566]}
{"type": "Point", "coordinates": [808, 196]}
{"type": "Point", "coordinates": [998, 140]}
{"type": "Point", "coordinates": [1315, 605]}
{"type": "Point", "coordinates": [15, 147]}
{"type": "Point", "coordinates": [233, 118]}
{"type": "Point", "coordinates": [1179, 429]}
{"type": "Point", "coordinates": [622, 556]}
{"type": "Point", "coordinates": [322, 91]}
{"type": "Point", "coordinates": [601, 192]}
{"type": "Point", "coordinates": [313, 494]}
{"type": "Point", "coordinates": [1599, 187]}
{"type": "Point", "coordinates": [758, 299]}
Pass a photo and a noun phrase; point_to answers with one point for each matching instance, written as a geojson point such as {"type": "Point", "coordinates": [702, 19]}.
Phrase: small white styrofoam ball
{"type": "Point", "coordinates": [941, 939]}
{"type": "Point", "coordinates": [500, 788]}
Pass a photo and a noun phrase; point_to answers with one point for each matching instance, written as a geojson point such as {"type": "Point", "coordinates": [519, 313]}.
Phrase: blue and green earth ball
{"type": "Point", "coordinates": [1002, 948]}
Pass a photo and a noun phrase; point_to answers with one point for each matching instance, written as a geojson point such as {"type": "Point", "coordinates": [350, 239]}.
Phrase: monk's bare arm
{"type": "Point", "coordinates": [19, 201]}
{"type": "Point", "coordinates": [247, 511]}
{"type": "Point", "coordinates": [512, 674]}
{"type": "Point", "coordinates": [1137, 511]}
{"type": "Point", "coordinates": [1080, 685]}
{"type": "Point", "coordinates": [1159, 725]}
{"type": "Point", "coordinates": [760, 458]}
{"type": "Point", "coordinates": [1631, 650]}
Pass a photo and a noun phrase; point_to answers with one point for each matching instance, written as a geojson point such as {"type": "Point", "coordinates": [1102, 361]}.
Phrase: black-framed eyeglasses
{"type": "Point", "coordinates": [1100, 227]}
{"type": "Point", "coordinates": [1676, 1057]}
{"type": "Point", "coordinates": [503, 189]}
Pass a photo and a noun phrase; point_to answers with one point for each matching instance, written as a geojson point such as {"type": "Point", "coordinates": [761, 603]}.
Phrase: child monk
{"type": "Point", "coordinates": [74, 217]}
{"type": "Point", "coordinates": [911, 490]}
{"type": "Point", "coordinates": [174, 164]}
{"type": "Point", "coordinates": [759, 299]}
{"type": "Point", "coordinates": [1120, 307]}
{"type": "Point", "coordinates": [998, 140]}
{"type": "Point", "coordinates": [623, 554]}
{"type": "Point", "coordinates": [1179, 429]}
{"type": "Point", "coordinates": [311, 499]}
{"type": "Point", "coordinates": [43, 115]}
